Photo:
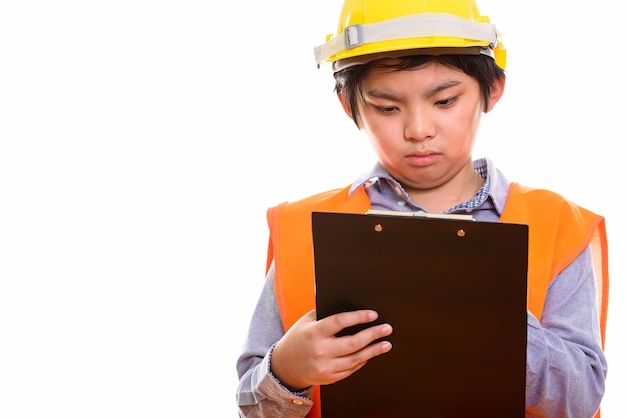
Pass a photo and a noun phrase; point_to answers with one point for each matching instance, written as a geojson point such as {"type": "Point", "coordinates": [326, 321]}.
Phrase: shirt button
{"type": "Point", "coordinates": [401, 203]}
{"type": "Point", "coordinates": [297, 402]}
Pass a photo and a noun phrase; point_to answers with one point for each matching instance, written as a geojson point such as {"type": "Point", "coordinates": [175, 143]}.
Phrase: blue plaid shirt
{"type": "Point", "coordinates": [386, 193]}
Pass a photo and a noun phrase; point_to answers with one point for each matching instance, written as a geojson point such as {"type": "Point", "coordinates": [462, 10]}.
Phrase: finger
{"type": "Point", "coordinates": [363, 339]}
{"type": "Point", "coordinates": [347, 365]}
{"type": "Point", "coordinates": [337, 322]}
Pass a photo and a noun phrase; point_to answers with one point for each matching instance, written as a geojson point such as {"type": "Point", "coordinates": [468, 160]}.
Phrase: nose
{"type": "Point", "coordinates": [419, 125]}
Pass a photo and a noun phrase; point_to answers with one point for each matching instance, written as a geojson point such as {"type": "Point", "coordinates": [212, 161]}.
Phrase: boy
{"type": "Point", "coordinates": [416, 78]}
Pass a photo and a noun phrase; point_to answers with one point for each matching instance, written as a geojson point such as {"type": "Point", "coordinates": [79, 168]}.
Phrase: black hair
{"type": "Point", "coordinates": [480, 67]}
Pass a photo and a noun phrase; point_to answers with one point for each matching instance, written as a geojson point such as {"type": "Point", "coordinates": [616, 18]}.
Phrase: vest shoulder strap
{"type": "Point", "coordinates": [290, 232]}
{"type": "Point", "coordinates": [559, 231]}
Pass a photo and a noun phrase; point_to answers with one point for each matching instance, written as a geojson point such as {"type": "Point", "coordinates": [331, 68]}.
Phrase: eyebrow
{"type": "Point", "coordinates": [381, 94]}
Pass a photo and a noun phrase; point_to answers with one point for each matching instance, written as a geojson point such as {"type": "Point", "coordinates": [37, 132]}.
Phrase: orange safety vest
{"type": "Point", "coordinates": [558, 232]}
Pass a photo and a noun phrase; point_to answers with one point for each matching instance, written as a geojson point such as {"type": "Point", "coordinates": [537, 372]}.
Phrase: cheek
{"type": "Point", "coordinates": [372, 126]}
{"type": "Point", "coordinates": [382, 135]}
{"type": "Point", "coordinates": [379, 125]}
{"type": "Point", "coordinates": [465, 122]}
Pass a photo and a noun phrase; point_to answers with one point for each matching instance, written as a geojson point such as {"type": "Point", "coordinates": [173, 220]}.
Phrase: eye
{"type": "Point", "coordinates": [386, 109]}
{"type": "Point", "coordinates": [447, 102]}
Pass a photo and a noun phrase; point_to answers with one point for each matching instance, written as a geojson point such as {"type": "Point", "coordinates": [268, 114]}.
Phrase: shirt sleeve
{"type": "Point", "coordinates": [566, 366]}
{"type": "Point", "coordinates": [259, 393]}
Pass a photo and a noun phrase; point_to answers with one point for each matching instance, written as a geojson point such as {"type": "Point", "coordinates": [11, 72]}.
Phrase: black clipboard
{"type": "Point", "coordinates": [455, 293]}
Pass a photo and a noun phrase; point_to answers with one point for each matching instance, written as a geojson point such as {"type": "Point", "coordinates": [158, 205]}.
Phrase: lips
{"type": "Point", "coordinates": [422, 158]}
{"type": "Point", "coordinates": [421, 154]}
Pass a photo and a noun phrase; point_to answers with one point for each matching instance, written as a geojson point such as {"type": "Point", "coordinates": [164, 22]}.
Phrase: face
{"type": "Point", "coordinates": [422, 123]}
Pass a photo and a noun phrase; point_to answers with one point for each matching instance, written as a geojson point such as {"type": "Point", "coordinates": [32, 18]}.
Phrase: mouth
{"type": "Point", "coordinates": [422, 158]}
{"type": "Point", "coordinates": [424, 153]}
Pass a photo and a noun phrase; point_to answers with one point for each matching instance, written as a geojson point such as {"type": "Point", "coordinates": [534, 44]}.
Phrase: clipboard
{"type": "Point", "coordinates": [454, 291]}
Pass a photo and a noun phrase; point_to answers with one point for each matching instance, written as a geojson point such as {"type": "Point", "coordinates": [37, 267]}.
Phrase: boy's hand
{"type": "Point", "coordinates": [310, 354]}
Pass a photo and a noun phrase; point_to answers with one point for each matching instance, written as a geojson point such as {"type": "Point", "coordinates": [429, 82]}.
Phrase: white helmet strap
{"type": "Point", "coordinates": [412, 26]}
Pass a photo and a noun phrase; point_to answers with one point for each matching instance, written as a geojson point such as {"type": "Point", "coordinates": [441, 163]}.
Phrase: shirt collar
{"type": "Point", "coordinates": [373, 174]}
{"type": "Point", "coordinates": [496, 183]}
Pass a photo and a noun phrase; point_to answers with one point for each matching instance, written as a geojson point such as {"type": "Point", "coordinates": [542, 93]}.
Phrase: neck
{"type": "Point", "coordinates": [438, 200]}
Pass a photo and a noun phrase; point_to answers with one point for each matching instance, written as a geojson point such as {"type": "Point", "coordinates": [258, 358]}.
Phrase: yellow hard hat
{"type": "Point", "coordinates": [369, 29]}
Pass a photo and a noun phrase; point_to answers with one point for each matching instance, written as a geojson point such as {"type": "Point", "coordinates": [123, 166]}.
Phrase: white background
{"type": "Point", "coordinates": [142, 141]}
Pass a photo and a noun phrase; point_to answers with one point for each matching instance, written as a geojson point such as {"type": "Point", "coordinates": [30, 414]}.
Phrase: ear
{"type": "Point", "coordinates": [346, 108]}
{"type": "Point", "coordinates": [345, 104]}
{"type": "Point", "coordinates": [497, 89]}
